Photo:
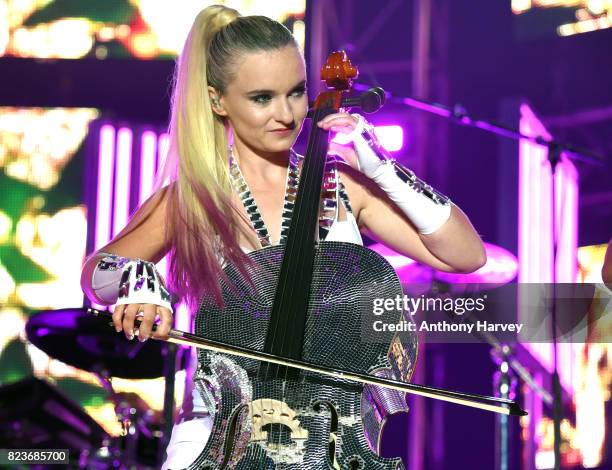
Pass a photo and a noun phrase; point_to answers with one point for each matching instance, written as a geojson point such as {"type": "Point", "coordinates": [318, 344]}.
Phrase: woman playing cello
{"type": "Point", "coordinates": [238, 105]}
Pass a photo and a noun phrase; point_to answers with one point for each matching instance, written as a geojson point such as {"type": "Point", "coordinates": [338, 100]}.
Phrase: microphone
{"type": "Point", "coordinates": [369, 101]}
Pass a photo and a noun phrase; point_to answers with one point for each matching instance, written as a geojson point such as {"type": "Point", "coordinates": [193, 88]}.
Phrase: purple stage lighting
{"type": "Point", "coordinates": [391, 137]}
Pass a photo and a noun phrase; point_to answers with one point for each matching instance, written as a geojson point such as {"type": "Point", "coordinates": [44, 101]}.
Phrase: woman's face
{"type": "Point", "coordinates": [266, 103]}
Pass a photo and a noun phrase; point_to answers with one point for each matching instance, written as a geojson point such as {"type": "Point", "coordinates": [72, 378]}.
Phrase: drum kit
{"type": "Point", "coordinates": [35, 413]}
{"type": "Point", "coordinates": [86, 342]}
{"type": "Point", "coordinates": [501, 267]}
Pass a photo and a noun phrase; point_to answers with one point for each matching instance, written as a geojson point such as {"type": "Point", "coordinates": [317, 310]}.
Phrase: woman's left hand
{"type": "Point", "coordinates": [344, 123]}
{"type": "Point", "coordinates": [338, 122]}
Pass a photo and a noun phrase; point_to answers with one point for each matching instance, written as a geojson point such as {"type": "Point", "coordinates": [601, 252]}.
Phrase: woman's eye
{"type": "Point", "coordinates": [261, 99]}
{"type": "Point", "coordinates": [299, 92]}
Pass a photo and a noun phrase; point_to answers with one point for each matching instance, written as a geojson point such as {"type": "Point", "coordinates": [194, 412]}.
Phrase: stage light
{"type": "Point", "coordinates": [390, 137]}
{"type": "Point", "coordinates": [536, 232]}
{"type": "Point", "coordinates": [590, 262]}
{"type": "Point", "coordinates": [519, 6]}
{"type": "Point", "coordinates": [147, 164]}
{"type": "Point", "coordinates": [590, 15]}
{"type": "Point", "coordinates": [535, 209]}
{"type": "Point", "coordinates": [7, 285]}
{"type": "Point", "coordinates": [299, 33]}
{"type": "Point", "coordinates": [37, 143]}
{"type": "Point", "coordinates": [535, 255]}
{"type": "Point", "coordinates": [58, 243]}
{"type": "Point", "coordinates": [163, 144]}
{"type": "Point", "coordinates": [44, 231]}
{"type": "Point", "coordinates": [13, 321]}
{"type": "Point", "coordinates": [116, 152]}
{"type": "Point", "coordinates": [6, 224]}
{"type": "Point", "coordinates": [123, 183]}
{"type": "Point", "coordinates": [67, 38]}
{"type": "Point", "coordinates": [106, 164]}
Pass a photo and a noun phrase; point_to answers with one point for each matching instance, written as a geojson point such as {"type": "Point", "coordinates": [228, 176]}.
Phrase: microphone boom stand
{"type": "Point", "coordinates": [459, 115]}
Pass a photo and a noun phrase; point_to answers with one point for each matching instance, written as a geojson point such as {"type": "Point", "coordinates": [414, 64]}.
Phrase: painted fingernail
{"type": "Point", "coordinates": [118, 328]}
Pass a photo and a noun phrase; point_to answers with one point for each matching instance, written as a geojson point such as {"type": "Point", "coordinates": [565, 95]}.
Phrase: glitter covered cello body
{"type": "Point", "coordinates": [311, 301]}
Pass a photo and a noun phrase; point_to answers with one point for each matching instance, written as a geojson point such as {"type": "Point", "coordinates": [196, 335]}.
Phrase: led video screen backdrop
{"type": "Point", "coordinates": [141, 29]}
{"type": "Point", "coordinates": [43, 236]}
{"type": "Point", "coordinates": [546, 18]}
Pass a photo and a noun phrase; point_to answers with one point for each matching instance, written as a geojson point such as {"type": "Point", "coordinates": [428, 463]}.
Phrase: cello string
{"type": "Point", "coordinates": [293, 239]}
{"type": "Point", "coordinates": [296, 243]}
{"type": "Point", "coordinates": [297, 216]}
{"type": "Point", "coordinates": [308, 171]}
{"type": "Point", "coordinates": [315, 172]}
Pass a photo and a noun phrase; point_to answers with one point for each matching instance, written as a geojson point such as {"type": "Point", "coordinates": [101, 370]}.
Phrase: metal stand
{"type": "Point", "coordinates": [505, 381]}
{"type": "Point", "coordinates": [122, 452]}
{"type": "Point", "coordinates": [168, 413]}
{"type": "Point", "coordinates": [126, 415]}
{"type": "Point", "coordinates": [459, 115]}
{"type": "Point", "coordinates": [504, 386]}
{"type": "Point", "coordinates": [554, 157]}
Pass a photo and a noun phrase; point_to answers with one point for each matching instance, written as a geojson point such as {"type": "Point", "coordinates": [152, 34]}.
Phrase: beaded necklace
{"type": "Point", "coordinates": [329, 193]}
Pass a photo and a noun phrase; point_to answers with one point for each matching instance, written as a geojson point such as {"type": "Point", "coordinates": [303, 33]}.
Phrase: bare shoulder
{"type": "Point", "coordinates": [359, 187]}
{"type": "Point", "coordinates": [145, 236]}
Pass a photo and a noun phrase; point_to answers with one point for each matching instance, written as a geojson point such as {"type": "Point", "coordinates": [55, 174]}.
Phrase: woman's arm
{"type": "Point", "coordinates": [454, 247]}
{"type": "Point", "coordinates": [143, 238]}
{"type": "Point", "coordinates": [398, 209]}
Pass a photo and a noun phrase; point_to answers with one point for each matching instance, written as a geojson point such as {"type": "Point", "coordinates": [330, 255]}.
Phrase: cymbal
{"type": "Point", "coordinates": [89, 343]}
{"type": "Point", "coordinates": [501, 267]}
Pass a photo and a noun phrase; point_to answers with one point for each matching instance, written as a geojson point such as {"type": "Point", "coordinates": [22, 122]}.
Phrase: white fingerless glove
{"type": "Point", "coordinates": [426, 208]}
{"type": "Point", "coordinates": [121, 281]}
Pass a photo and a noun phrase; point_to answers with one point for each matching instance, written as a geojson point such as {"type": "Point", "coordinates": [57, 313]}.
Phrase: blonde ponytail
{"type": "Point", "coordinates": [202, 223]}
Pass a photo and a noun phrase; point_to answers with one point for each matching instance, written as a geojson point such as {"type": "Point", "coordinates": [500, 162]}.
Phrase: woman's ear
{"type": "Point", "coordinates": [215, 101]}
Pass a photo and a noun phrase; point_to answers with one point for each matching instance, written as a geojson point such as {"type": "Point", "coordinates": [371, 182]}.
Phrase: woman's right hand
{"type": "Point", "coordinates": [125, 315]}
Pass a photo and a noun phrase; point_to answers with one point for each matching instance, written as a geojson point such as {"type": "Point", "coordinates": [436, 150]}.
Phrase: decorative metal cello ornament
{"type": "Point", "coordinates": [301, 386]}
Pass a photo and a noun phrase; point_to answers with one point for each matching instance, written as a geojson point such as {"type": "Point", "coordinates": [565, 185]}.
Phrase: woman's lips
{"type": "Point", "coordinates": [282, 131]}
